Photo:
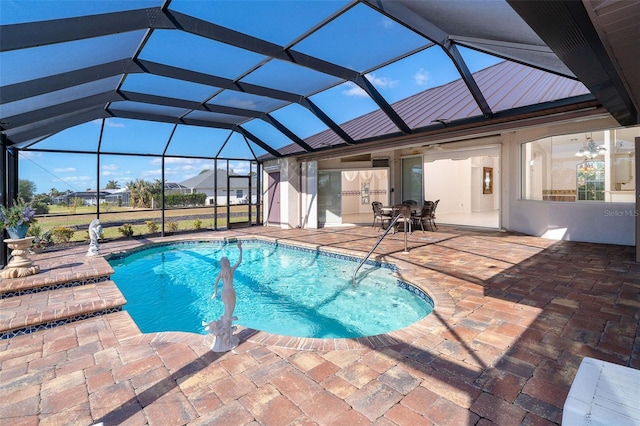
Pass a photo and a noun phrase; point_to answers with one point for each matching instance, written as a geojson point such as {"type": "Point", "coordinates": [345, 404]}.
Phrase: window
{"type": "Point", "coordinates": [590, 177]}
{"type": "Point", "coordinates": [594, 166]}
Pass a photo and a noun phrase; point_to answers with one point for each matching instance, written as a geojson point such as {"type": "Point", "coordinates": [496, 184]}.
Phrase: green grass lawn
{"type": "Point", "coordinates": [111, 218]}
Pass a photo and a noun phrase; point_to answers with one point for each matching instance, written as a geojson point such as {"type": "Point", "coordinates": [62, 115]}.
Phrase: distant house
{"type": "Point", "coordinates": [236, 193]}
{"type": "Point", "coordinates": [89, 198]}
{"type": "Point", "coordinates": [117, 197]}
{"type": "Point", "coordinates": [176, 188]}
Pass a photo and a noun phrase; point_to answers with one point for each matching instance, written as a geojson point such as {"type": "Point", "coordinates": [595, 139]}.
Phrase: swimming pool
{"type": "Point", "coordinates": [280, 289]}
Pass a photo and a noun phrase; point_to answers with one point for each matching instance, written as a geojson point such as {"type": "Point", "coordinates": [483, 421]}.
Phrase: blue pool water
{"type": "Point", "coordinates": [280, 290]}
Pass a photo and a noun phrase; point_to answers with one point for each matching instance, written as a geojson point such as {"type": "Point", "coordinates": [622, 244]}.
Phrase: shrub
{"type": "Point", "coordinates": [34, 230]}
{"type": "Point", "coordinates": [62, 234]}
{"type": "Point", "coordinates": [172, 226]}
{"type": "Point", "coordinates": [126, 229]}
{"type": "Point", "coordinates": [40, 207]}
{"type": "Point", "coordinates": [197, 224]}
{"type": "Point", "coordinates": [152, 226]}
{"type": "Point", "coordinates": [42, 242]}
{"type": "Point", "coordinates": [177, 200]}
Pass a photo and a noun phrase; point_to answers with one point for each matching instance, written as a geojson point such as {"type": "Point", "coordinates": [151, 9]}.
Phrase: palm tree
{"type": "Point", "coordinates": [142, 192]}
{"type": "Point", "coordinates": [136, 190]}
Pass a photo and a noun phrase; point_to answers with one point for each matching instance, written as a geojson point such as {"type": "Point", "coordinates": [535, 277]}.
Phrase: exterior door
{"type": "Point", "coordinates": [273, 209]}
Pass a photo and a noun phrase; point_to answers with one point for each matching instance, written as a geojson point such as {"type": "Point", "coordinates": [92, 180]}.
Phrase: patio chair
{"type": "Point", "coordinates": [405, 211]}
{"type": "Point", "coordinates": [378, 214]}
{"type": "Point", "coordinates": [425, 215]}
{"type": "Point", "coordinates": [433, 213]}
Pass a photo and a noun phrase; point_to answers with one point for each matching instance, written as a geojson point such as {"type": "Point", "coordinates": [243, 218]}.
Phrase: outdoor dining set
{"type": "Point", "coordinates": [409, 210]}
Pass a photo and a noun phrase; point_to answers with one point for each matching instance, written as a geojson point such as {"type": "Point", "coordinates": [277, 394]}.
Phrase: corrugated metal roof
{"type": "Point", "coordinates": [506, 86]}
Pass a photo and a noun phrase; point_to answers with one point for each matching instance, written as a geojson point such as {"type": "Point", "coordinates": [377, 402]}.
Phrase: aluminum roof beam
{"type": "Point", "coordinates": [196, 106]}
{"type": "Point", "coordinates": [427, 29]}
{"type": "Point", "coordinates": [42, 33]}
{"type": "Point", "coordinates": [36, 130]}
{"type": "Point", "coordinates": [567, 29]}
{"type": "Point", "coordinates": [39, 86]}
{"type": "Point", "coordinates": [247, 42]}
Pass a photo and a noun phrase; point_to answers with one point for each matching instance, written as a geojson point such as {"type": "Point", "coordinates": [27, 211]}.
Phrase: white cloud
{"type": "Point", "coordinates": [111, 170]}
{"type": "Point", "coordinates": [354, 90]}
{"type": "Point", "coordinates": [422, 77]}
{"type": "Point", "coordinates": [241, 167]}
{"type": "Point", "coordinates": [114, 122]}
{"type": "Point", "coordinates": [64, 170]}
{"type": "Point", "coordinates": [77, 179]}
{"type": "Point", "coordinates": [378, 82]}
{"type": "Point", "coordinates": [152, 173]}
{"type": "Point", "coordinates": [382, 82]}
{"type": "Point", "coordinates": [239, 103]}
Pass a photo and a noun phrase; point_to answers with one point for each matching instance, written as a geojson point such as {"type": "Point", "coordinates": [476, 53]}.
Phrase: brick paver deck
{"type": "Point", "coordinates": [514, 317]}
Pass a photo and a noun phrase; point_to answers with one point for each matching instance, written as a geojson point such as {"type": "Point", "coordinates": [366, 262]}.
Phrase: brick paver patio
{"type": "Point", "coordinates": [514, 317]}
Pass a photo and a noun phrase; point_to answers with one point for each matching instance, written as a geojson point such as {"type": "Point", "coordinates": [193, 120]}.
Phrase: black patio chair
{"type": "Point", "coordinates": [433, 213]}
{"type": "Point", "coordinates": [424, 215]}
{"type": "Point", "coordinates": [378, 214]}
{"type": "Point", "coordinates": [403, 210]}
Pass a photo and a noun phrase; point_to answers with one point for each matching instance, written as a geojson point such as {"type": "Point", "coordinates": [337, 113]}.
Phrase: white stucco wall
{"type": "Point", "coordinates": [612, 223]}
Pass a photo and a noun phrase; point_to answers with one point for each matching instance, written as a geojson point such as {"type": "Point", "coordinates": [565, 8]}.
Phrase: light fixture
{"type": "Point", "coordinates": [590, 150]}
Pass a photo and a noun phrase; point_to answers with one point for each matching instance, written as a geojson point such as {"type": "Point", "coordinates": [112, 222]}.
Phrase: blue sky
{"type": "Point", "coordinates": [360, 39]}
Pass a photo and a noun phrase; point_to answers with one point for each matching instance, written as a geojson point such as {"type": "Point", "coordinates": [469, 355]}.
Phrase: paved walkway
{"type": "Point", "coordinates": [514, 317]}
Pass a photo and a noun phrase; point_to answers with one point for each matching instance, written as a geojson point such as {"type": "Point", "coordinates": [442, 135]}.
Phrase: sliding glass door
{"type": "Point", "coordinates": [412, 180]}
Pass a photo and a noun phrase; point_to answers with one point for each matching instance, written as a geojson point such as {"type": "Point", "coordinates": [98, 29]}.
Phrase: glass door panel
{"type": "Point", "coordinates": [412, 180]}
{"type": "Point", "coordinates": [329, 199]}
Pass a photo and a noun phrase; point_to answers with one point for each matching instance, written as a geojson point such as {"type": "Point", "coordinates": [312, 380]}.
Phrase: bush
{"type": "Point", "coordinates": [42, 242]}
{"type": "Point", "coordinates": [184, 200]}
{"type": "Point", "coordinates": [152, 226]}
{"type": "Point", "coordinates": [34, 230]}
{"type": "Point", "coordinates": [40, 207]}
{"type": "Point", "coordinates": [172, 226]}
{"type": "Point", "coordinates": [197, 224]}
{"type": "Point", "coordinates": [62, 234]}
{"type": "Point", "coordinates": [126, 230]}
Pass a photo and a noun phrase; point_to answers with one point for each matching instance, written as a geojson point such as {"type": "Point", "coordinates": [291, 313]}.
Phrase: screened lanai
{"type": "Point", "coordinates": [225, 85]}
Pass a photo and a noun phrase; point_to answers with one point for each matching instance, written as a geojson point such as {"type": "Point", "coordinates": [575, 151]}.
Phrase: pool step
{"type": "Point", "coordinates": [25, 313]}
